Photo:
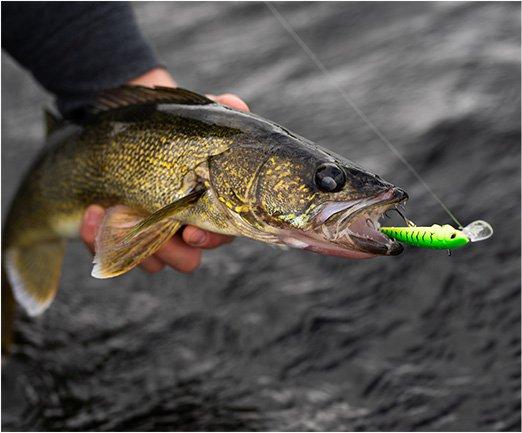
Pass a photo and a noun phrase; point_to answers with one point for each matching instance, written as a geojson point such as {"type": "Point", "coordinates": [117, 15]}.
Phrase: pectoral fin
{"type": "Point", "coordinates": [34, 273]}
{"type": "Point", "coordinates": [165, 212]}
{"type": "Point", "coordinates": [127, 237]}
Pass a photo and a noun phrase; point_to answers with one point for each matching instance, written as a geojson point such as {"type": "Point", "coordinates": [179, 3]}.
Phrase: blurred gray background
{"type": "Point", "coordinates": [260, 338]}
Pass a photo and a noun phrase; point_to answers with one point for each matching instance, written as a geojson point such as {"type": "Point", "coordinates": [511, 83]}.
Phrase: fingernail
{"type": "Point", "coordinates": [198, 238]}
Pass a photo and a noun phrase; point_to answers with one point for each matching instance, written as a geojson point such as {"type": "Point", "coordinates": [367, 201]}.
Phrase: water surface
{"type": "Point", "coordinates": [260, 338]}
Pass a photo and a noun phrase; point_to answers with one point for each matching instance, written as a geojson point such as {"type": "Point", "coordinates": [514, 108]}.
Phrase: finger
{"type": "Point", "coordinates": [196, 237]}
{"type": "Point", "coordinates": [92, 219]}
{"type": "Point", "coordinates": [154, 77]}
{"type": "Point", "coordinates": [230, 100]}
{"type": "Point", "coordinates": [215, 240]}
{"type": "Point", "coordinates": [152, 264]}
{"type": "Point", "coordinates": [179, 255]}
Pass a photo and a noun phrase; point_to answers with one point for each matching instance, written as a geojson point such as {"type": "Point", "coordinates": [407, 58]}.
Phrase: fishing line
{"type": "Point", "coordinates": [286, 25]}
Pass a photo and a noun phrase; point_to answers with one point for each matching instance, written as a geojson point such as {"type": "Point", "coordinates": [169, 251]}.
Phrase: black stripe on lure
{"type": "Point", "coordinates": [439, 237]}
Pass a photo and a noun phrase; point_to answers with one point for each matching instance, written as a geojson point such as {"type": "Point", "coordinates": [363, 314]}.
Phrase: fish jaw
{"type": "Point", "coordinates": [321, 247]}
{"type": "Point", "coordinates": [349, 229]}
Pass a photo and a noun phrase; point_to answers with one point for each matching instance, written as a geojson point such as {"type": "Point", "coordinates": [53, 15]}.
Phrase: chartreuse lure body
{"type": "Point", "coordinates": [435, 237]}
{"type": "Point", "coordinates": [439, 237]}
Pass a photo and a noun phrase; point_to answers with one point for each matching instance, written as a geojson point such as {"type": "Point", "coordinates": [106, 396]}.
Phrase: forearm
{"type": "Point", "coordinates": [76, 49]}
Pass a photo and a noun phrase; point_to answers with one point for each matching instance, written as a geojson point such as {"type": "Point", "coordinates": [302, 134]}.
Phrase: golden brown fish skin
{"type": "Point", "coordinates": [139, 163]}
{"type": "Point", "coordinates": [146, 158]}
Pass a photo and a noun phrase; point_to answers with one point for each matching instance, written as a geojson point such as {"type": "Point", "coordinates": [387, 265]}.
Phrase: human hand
{"type": "Point", "coordinates": [183, 251]}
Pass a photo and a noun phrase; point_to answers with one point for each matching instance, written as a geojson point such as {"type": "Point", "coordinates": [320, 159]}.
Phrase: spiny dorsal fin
{"type": "Point", "coordinates": [127, 95]}
{"type": "Point", "coordinates": [52, 122]}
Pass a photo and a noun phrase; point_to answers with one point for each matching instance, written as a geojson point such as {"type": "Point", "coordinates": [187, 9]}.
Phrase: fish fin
{"type": "Point", "coordinates": [115, 256]}
{"type": "Point", "coordinates": [165, 212]}
{"type": "Point", "coordinates": [129, 95]}
{"type": "Point", "coordinates": [126, 237]}
{"type": "Point", "coordinates": [52, 122]}
{"type": "Point", "coordinates": [34, 273]}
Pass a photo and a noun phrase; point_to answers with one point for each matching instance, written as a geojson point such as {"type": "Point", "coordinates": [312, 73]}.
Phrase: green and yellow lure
{"type": "Point", "coordinates": [439, 237]}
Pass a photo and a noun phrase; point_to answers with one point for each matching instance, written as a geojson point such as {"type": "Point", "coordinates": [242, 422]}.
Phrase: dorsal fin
{"type": "Point", "coordinates": [52, 122]}
{"type": "Point", "coordinates": [127, 95]}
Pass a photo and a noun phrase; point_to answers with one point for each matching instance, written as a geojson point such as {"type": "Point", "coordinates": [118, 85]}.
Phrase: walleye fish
{"type": "Point", "coordinates": [160, 158]}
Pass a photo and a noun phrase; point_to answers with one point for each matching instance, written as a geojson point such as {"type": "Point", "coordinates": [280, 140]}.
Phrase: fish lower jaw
{"type": "Point", "coordinates": [310, 243]}
{"type": "Point", "coordinates": [360, 238]}
{"type": "Point", "coordinates": [363, 233]}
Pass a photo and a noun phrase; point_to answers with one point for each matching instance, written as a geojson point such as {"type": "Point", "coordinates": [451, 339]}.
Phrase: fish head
{"type": "Point", "coordinates": [312, 199]}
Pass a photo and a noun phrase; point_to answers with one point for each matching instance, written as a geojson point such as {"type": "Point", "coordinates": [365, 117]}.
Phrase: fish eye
{"type": "Point", "coordinates": [453, 236]}
{"type": "Point", "coordinates": [330, 177]}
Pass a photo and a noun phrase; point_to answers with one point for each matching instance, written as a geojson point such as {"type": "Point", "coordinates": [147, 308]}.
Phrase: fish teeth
{"type": "Point", "coordinates": [342, 219]}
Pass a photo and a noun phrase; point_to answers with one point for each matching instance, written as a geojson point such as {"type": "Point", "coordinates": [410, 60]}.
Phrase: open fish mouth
{"type": "Point", "coordinates": [355, 224]}
{"type": "Point", "coordinates": [351, 228]}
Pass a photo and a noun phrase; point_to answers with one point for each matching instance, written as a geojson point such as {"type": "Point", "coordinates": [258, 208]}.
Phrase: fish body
{"type": "Point", "coordinates": [436, 237]}
{"type": "Point", "coordinates": [161, 158]}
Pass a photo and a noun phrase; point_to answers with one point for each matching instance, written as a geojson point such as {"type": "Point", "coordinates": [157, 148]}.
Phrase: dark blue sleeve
{"type": "Point", "coordinates": [76, 49]}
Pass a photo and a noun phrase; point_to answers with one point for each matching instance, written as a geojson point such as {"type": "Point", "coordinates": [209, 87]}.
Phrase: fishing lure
{"type": "Point", "coordinates": [439, 237]}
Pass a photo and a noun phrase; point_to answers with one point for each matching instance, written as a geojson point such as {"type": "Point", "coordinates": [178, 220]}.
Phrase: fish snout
{"type": "Point", "coordinates": [366, 183]}
{"type": "Point", "coordinates": [399, 195]}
